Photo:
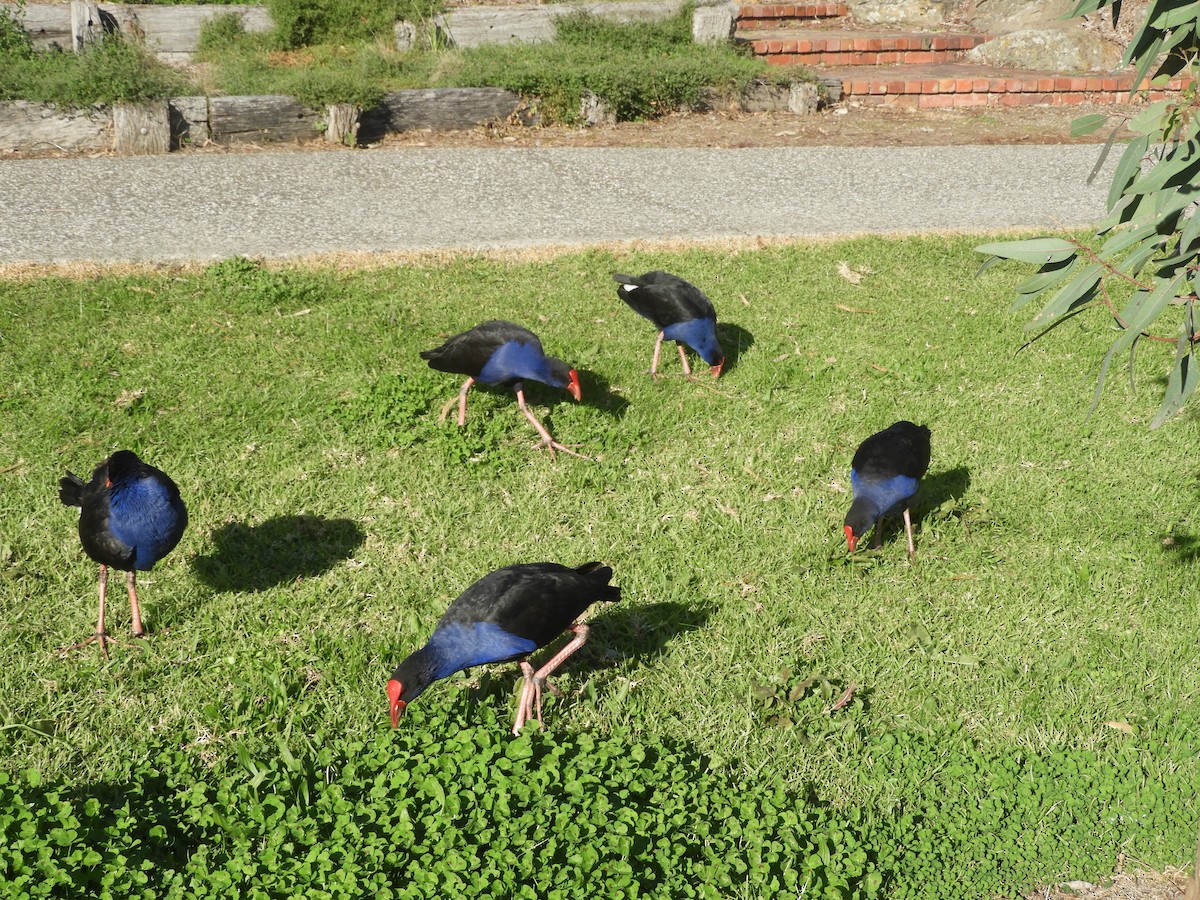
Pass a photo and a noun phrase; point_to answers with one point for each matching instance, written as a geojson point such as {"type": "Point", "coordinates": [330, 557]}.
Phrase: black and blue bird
{"type": "Point", "coordinates": [680, 311]}
{"type": "Point", "coordinates": [131, 516]}
{"type": "Point", "coordinates": [501, 353]}
{"type": "Point", "coordinates": [504, 617]}
{"type": "Point", "coordinates": [885, 473]}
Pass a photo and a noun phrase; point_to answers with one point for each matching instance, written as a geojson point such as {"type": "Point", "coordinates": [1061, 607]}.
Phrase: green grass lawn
{"type": "Point", "coordinates": [333, 519]}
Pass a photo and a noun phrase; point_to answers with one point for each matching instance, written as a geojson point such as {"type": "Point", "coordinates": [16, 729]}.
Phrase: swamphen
{"type": "Point", "coordinates": [131, 517]}
{"type": "Point", "coordinates": [499, 352]}
{"type": "Point", "coordinates": [885, 473]}
{"type": "Point", "coordinates": [680, 311]}
{"type": "Point", "coordinates": [503, 617]}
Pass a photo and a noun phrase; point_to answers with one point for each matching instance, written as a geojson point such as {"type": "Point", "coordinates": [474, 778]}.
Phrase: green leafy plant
{"type": "Point", "coordinates": [114, 70]}
{"type": "Point", "coordinates": [641, 70]}
{"type": "Point", "coordinates": [789, 700]}
{"type": "Point", "coordinates": [303, 23]}
{"type": "Point", "coordinates": [1144, 274]}
{"type": "Point", "coordinates": [15, 43]}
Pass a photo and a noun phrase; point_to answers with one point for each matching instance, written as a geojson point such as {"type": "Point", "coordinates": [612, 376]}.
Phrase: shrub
{"type": "Point", "coordinates": [642, 70]}
{"type": "Point", "coordinates": [301, 23]}
{"type": "Point", "coordinates": [115, 70]}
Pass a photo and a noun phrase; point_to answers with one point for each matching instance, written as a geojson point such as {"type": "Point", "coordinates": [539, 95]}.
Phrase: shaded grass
{"type": "Point", "coordinates": [291, 408]}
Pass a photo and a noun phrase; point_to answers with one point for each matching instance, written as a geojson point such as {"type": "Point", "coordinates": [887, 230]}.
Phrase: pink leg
{"type": "Point", "coordinates": [908, 532]}
{"type": "Point", "coordinates": [531, 692]}
{"type": "Point", "coordinates": [101, 636]}
{"type": "Point", "coordinates": [135, 611]}
{"type": "Point", "coordinates": [462, 404]}
{"type": "Point", "coordinates": [687, 370]}
{"type": "Point", "coordinates": [525, 703]}
{"type": "Point", "coordinates": [654, 361]}
{"type": "Point", "coordinates": [547, 441]}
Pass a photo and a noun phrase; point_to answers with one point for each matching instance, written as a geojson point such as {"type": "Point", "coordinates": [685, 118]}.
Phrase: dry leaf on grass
{"type": "Point", "coordinates": [854, 276]}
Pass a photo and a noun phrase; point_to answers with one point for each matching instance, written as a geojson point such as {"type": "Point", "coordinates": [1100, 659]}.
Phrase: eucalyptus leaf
{"type": "Point", "coordinates": [1148, 119]}
{"type": "Point", "coordinates": [1123, 240]}
{"type": "Point", "coordinates": [1035, 250]}
{"type": "Point", "coordinates": [1103, 156]}
{"type": "Point", "coordinates": [1181, 383]}
{"type": "Point", "coordinates": [1178, 167]}
{"type": "Point", "coordinates": [1047, 277]}
{"type": "Point", "coordinates": [1079, 290]}
{"type": "Point", "coordinates": [1127, 167]}
{"type": "Point", "coordinates": [1088, 124]}
{"type": "Point", "coordinates": [1146, 58]}
{"type": "Point", "coordinates": [1173, 18]}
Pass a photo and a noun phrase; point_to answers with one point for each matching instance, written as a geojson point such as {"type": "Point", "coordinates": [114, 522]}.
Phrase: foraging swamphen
{"type": "Point", "coordinates": [504, 617]}
{"type": "Point", "coordinates": [681, 312]}
{"type": "Point", "coordinates": [131, 516]}
{"type": "Point", "coordinates": [884, 474]}
{"type": "Point", "coordinates": [502, 353]}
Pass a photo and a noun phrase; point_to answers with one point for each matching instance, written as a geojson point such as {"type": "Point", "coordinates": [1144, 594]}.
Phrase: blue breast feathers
{"type": "Point", "coordinates": [514, 361]}
{"type": "Point", "coordinates": [143, 517]}
{"type": "Point", "coordinates": [458, 646]}
{"type": "Point", "coordinates": [700, 335]}
{"type": "Point", "coordinates": [884, 496]}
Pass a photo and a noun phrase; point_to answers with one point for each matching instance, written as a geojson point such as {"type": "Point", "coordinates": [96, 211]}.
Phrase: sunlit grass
{"type": "Point", "coordinates": [1053, 589]}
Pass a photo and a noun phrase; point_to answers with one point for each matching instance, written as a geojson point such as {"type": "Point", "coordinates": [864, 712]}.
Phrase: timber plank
{"type": "Point", "coordinates": [274, 117]}
{"type": "Point", "coordinates": [438, 108]}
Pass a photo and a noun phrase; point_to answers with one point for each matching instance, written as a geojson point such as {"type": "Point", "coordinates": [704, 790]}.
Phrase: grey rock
{"type": "Point", "coordinates": [1003, 16]}
{"type": "Point", "coordinates": [1060, 49]}
{"type": "Point", "coordinates": [406, 35]}
{"type": "Point", "coordinates": [189, 120]}
{"type": "Point", "coordinates": [714, 24]}
{"type": "Point", "coordinates": [594, 110]}
{"type": "Point", "coordinates": [916, 13]}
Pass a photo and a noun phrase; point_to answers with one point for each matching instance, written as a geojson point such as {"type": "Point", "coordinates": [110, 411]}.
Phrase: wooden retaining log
{"type": "Point", "coordinates": [441, 108]}
{"type": "Point", "coordinates": [172, 32]}
{"type": "Point", "coordinates": [43, 126]}
{"type": "Point", "coordinates": [234, 120]}
{"type": "Point", "coordinates": [141, 129]}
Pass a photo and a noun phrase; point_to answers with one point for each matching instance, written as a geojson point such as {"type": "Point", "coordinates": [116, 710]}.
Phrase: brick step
{"type": "Point", "coordinates": [783, 15]}
{"type": "Point", "coordinates": [860, 48]}
{"type": "Point", "coordinates": [963, 85]}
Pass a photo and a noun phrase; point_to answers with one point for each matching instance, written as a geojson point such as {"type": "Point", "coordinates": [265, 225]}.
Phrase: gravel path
{"type": "Point", "coordinates": [198, 207]}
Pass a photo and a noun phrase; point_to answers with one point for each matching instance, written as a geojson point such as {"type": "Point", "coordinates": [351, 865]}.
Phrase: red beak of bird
{"type": "Point", "coordinates": [397, 705]}
{"type": "Point", "coordinates": [716, 370]}
{"type": "Point", "coordinates": [573, 386]}
{"type": "Point", "coordinates": [851, 538]}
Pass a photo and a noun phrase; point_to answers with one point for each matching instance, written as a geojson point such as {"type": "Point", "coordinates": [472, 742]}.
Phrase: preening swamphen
{"type": "Point", "coordinates": [131, 516]}
{"type": "Point", "coordinates": [500, 352]}
{"type": "Point", "coordinates": [504, 617]}
{"type": "Point", "coordinates": [681, 312]}
{"type": "Point", "coordinates": [884, 474]}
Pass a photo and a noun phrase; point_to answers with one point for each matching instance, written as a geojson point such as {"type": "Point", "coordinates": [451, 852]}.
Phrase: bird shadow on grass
{"type": "Point", "coordinates": [279, 550]}
{"type": "Point", "coordinates": [1181, 546]}
{"type": "Point", "coordinates": [628, 632]}
{"type": "Point", "coordinates": [947, 487]}
{"type": "Point", "coordinates": [619, 634]}
{"type": "Point", "coordinates": [598, 394]}
{"type": "Point", "coordinates": [735, 340]}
